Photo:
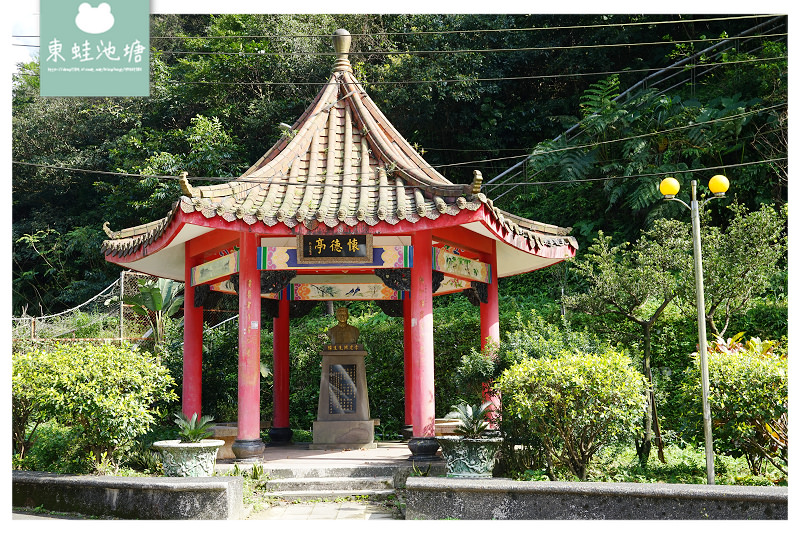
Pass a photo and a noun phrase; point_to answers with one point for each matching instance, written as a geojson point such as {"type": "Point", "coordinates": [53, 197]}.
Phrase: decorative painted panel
{"type": "Point", "coordinates": [462, 267]}
{"type": "Point", "coordinates": [342, 291]}
{"type": "Point", "coordinates": [218, 268]}
{"type": "Point", "coordinates": [449, 285]}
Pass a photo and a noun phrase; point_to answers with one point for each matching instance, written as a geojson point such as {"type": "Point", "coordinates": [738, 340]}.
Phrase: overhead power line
{"type": "Point", "coordinates": [268, 181]}
{"type": "Point", "coordinates": [462, 51]}
{"type": "Point", "coordinates": [529, 155]}
{"type": "Point", "coordinates": [653, 80]}
{"type": "Point", "coordinates": [462, 80]}
{"type": "Point", "coordinates": [451, 32]}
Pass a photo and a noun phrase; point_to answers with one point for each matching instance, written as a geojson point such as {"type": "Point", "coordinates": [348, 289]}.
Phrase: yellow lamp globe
{"type": "Point", "coordinates": [669, 187]}
{"type": "Point", "coordinates": [718, 185]}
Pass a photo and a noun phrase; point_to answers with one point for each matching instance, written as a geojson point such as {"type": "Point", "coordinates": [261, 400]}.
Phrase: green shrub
{"type": "Point", "coordinates": [106, 391]}
{"type": "Point", "coordinates": [575, 403]}
{"type": "Point", "coordinates": [748, 397]}
{"type": "Point", "coordinates": [56, 448]}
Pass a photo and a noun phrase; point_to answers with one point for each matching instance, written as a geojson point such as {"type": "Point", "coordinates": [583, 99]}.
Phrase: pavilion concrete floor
{"type": "Point", "coordinates": [299, 456]}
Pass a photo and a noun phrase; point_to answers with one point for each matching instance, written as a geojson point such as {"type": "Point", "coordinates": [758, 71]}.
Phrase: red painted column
{"type": "Point", "coordinates": [280, 431]}
{"type": "Point", "coordinates": [408, 363]}
{"type": "Point", "coordinates": [192, 345]}
{"type": "Point", "coordinates": [422, 398]}
{"type": "Point", "coordinates": [490, 328]}
{"type": "Point", "coordinates": [490, 312]}
{"type": "Point", "coordinates": [248, 443]}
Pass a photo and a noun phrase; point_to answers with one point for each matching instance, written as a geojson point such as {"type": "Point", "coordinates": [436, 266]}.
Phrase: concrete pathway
{"type": "Point", "coordinates": [326, 511]}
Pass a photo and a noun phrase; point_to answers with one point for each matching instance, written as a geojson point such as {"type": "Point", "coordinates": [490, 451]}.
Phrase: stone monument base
{"type": "Point", "coordinates": [343, 434]}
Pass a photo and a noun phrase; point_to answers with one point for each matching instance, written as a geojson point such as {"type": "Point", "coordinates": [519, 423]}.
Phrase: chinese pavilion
{"type": "Point", "coordinates": [340, 208]}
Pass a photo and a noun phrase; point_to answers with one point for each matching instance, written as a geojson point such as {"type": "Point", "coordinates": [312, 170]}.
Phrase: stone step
{"type": "Point", "coordinates": [397, 473]}
{"type": "Point", "coordinates": [305, 495]}
{"type": "Point", "coordinates": [363, 471]}
{"type": "Point", "coordinates": [325, 484]}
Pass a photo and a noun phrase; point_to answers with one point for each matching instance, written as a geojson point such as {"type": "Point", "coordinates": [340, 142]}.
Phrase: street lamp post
{"type": "Point", "coordinates": [669, 188]}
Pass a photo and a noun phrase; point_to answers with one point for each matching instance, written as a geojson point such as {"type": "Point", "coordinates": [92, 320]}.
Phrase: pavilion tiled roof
{"type": "Point", "coordinates": [342, 162]}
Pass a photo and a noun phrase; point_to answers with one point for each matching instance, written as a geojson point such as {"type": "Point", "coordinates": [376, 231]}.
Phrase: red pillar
{"type": "Point", "coordinates": [280, 432]}
{"type": "Point", "coordinates": [490, 312]}
{"type": "Point", "coordinates": [192, 345]}
{"type": "Point", "coordinates": [408, 363]}
{"type": "Point", "coordinates": [490, 327]}
{"type": "Point", "coordinates": [248, 443]}
{"type": "Point", "coordinates": [422, 399]}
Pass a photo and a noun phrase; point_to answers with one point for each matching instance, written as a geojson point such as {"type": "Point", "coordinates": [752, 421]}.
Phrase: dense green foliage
{"type": "Point", "coordinates": [748, 395]}
{"type": "Point", "coordinates": [575, 403]}
{"type": "Point", "coordinates": [101, 397]}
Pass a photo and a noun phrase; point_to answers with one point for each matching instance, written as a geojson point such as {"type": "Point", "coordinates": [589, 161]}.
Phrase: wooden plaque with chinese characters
{"type": "Point", "coordinates": [334, 249]}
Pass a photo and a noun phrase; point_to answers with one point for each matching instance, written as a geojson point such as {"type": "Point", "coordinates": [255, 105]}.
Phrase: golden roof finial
{"type": "Point", "coordinates": [341, 43]}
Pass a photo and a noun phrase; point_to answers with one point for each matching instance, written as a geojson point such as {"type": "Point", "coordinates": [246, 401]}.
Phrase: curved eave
{"type": "Point", "coordinates": [518, 250]}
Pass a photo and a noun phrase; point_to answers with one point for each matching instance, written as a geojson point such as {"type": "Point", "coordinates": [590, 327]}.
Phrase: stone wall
{"type": "Point", "coordinates": [157, 498]}
{"type": "Point", "coordinates": [503, 499]}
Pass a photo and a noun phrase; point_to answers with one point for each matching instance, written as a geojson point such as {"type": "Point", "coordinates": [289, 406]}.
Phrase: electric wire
{"type": "Point", "coordinates": [452, 80]}
{"type": "Point", "coordinates": [378, 186]}
{"type": "Point", "coordinates": [643, 83]}
{"type": "Point", "coordinates": [474, 31]}
{"type": "Point", "coordinates": [446, 165]}
{"type": "Point", "coordinates": [462, 51]}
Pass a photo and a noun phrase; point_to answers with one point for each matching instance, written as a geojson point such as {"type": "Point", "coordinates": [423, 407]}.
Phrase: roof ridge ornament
{"type": "Point", "coordinates": [477, 179]}
{"type": "Point", "coordinates": [341, 43]}
{"type": "Point", "coordinates": [186, 187]}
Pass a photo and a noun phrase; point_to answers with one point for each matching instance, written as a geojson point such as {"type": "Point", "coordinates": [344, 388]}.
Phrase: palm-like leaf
{"type": "Point", "coordinates": [472, 419]}
{"type": "Point", "coordinates": [193, 430]}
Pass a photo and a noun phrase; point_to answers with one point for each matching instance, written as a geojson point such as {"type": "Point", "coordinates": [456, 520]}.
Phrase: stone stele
{"type": "Point", "coordinates": [343, 419]}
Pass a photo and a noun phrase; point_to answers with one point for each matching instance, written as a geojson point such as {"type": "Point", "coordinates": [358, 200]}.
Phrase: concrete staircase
{"type": "Point", "coordinates": [330, 488]}
{"type": "Point", "coordinates": [304, 484]}
{"type": "Point", "coordinates": [296, 473]}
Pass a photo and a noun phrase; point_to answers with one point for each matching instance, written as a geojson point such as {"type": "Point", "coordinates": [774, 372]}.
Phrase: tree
{"type": "Point", "coordinates": [740, 261]}
{"type": "Point", "coordinates": [636, 283]}
{"type": "Point", "coordinates": [575, 403]}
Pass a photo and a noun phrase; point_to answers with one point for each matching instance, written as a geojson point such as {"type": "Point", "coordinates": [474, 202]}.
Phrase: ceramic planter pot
{"type": "Point", "coordinates": [188, 459]}
{"type": "Point", "coordinates": [469, 457]}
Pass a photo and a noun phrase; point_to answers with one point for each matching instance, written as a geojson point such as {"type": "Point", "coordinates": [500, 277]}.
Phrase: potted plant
{"type": "Point", "coordinates": [472, 451]}
{"type": "Point", "coordinates": [192, 454]}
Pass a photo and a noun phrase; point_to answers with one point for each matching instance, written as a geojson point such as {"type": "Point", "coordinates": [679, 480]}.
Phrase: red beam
{"type": "Point", "coordinates": [210, 241]}
{"type": "Point", "coordinates": [465, 239]}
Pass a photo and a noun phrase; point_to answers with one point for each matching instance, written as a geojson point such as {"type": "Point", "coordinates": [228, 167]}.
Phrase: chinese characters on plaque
{"type": "Point", "coordinates": [342, 383]}
{"type": "Point", "coordinates": [334, 248]}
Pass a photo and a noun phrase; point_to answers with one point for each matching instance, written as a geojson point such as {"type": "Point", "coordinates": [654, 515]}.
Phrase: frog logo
{"type": "Point", "coordinates": [94, 20]}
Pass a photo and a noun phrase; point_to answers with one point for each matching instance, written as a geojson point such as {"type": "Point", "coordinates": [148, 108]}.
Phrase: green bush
{"type": "Point", "coordinates": [56, 448]}
{"type": "Point", "coordinates": [575, 403]}
{"type": "Point", "coordinates": [106, 392]}
{"type": "Point", "coordinates": [748, 396]}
